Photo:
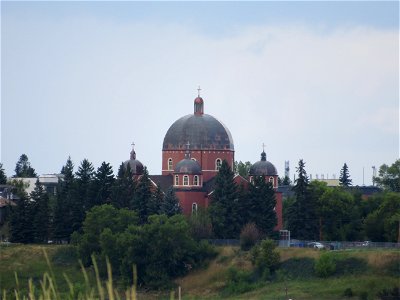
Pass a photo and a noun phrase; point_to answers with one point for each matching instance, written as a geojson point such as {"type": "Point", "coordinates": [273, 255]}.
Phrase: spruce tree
{"type": "Point", "coordinates": [142, 198]}
{"type": "Point", "coordinates": [21, 220]}
{"type": "Point", "coordinates": [156, 201]}
{"type": "Point", "coordinates": [170, 205]}
{"type": "Point", "coordinates": [23, 168]}
{"type": "Point", "coordinates": [224, 204]}
{"type": "Point", "coordinates": [84, 179]}
{"type": "Point", "coordinates": [102, 185]}
{"type": "Point", "coordinates": [261, 204]}
{"type": "Point", "coordinates": [302, 213]}
{"type": "Point", "coordinates": [3, 177]}
{"type": "Point", "coordinates": [344, 178]}
{"type": "Point", "coordinates": [41, 213]}
{"type": "Point", "coordinates": [66, 213]}
{"type": "Point", "coordinates": [123, 188]}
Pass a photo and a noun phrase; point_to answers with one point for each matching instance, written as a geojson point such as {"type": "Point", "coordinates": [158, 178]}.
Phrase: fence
{"type": "Point", "coordinates": [331, 245]}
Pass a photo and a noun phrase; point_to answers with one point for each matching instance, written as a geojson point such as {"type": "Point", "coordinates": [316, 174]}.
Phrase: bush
{"type": "Point", "coordinates": [325, 265]}
{"type": "Point", "coordinates": [393, 294]}
{"type": "Point", "coordinates": [265, 257]}
{"type": "Point", "coordinates": [249, 236]}
{"type": "Point", "coordinates": [298, 267]}
{"type": "Point", "coordinates": [348, 292]}
{"type": "Point", "coordinates": [350, 265]}
{"type": "Point", "coordinates": [238, 281]}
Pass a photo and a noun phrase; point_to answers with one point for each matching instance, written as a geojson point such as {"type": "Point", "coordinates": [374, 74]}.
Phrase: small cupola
{"type": "Point", "coordinates": [187, 165]}
{"type": "Point", "coordinates": [135, 165]}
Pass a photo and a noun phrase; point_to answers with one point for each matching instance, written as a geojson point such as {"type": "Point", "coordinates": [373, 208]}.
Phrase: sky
{"type": "Point", "coordinates": [317, 81]}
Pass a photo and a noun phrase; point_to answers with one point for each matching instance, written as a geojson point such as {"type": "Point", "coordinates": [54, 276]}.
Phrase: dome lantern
{"type": "Point", "coordinates": [198, 104]}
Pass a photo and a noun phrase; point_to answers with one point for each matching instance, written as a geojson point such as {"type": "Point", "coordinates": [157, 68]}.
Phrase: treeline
{"type": "Point", "coordinates": [319, 212]}
{"type": "Point", "coordinates": [40, 216]}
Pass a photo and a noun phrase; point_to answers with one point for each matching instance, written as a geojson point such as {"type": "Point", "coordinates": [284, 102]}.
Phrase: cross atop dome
{"type": "Point", "coordinates": [133, 153]}
{"type": "Point", "coordinates": [198, 91]}
{"type": "Point", "coordinates": [263, 154]}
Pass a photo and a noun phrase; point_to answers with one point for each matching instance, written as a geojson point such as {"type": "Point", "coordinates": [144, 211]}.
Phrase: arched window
{"type": "Point", "coordinates": [169, 164]}
{"type": "Point", "coordinates": [193, 159]}
{"type": "Point", "coordinates": [218, 163]}
{"type": "Point", "coordinates": [271, 179]}
{"type": "Point", "coordinates": [196, 180]}
{"type": "Point", "coordinates": [185, 180]}
{"type": "Point", "coordinates": [251, 179]}
{"type": "Point", "coordinates": [176, 180]}
{"type": "Point", "coordinates": [194, 208]}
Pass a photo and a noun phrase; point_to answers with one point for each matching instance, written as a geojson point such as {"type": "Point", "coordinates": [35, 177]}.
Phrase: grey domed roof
{"type": "Point", "coordinates": [201, 130]}
{"type": "Point", "coordinates": [263, 167]}
{"type": "Point", "coordinates": [135, 165]}
{"type": "Point", "coordinates": [188, 166]}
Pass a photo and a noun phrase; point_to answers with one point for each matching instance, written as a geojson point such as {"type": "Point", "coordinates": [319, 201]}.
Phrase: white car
{"type": "Point", "coordinates": [316, 245]}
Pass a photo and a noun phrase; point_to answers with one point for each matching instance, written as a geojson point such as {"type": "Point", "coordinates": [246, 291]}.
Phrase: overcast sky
{"type": "Point", "coordinates": [317, 81]}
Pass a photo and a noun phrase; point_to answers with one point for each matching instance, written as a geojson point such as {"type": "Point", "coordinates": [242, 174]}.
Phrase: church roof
{"type": "Point", "coordinates": [204, 132]}
{"type": "Point", "coordinates": [263, 167]}
{"type": "Point", "coordinates": [187, 166]}
{"type": "Point", "coordinates": [135, 165]}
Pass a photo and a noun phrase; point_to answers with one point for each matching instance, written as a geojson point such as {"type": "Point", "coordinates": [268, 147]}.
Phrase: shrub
{"type": "Point", "coordinates": [393, 294]}
{"type": "Point", "coordinates": [350, 265]}
{"type": "Point", "coordinates": [363, 295]}
{"type": "Point", "coordinates": [238, 281]}
{"type": "Point", "coordinates": [298, 267]}
{"type": "Point", "coordinates": [249, 236]}
{"type": "Point", "coordinates": [348, 292]}
{"type": "Point", "coordinates": [325, 265]}
{"type": "Point", "coordinates": [265, 257]}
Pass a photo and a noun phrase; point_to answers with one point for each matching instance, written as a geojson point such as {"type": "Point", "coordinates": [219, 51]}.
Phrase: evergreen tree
{"type": "Point", "coordinates": [3, 177]}
{"type": "Point", "coordinates": [284, 181]}
{"type": "Point", "coordinates": [141, 201]}
{"type": "Point", "coordinates": [344, 179]}
{"type": "Point", "coordinates": [224, 204]}
{"type": "Point", "coordinates": [21, 221]}
{"type": "Point", "coordinates": [65, 214]}
{"type": "Point", "coordinates": [123, 188]}
{"type": "Point", "coordinates": [261, 204]}
{"type": "Point", "coordinates": [23, 168]}
{"type": "Point", "coordinates": [302, 213]}
{"type": "Point", "coordinates": [170, 205]}
{"type": "Point", "coordinates": [84, 178]}
{"type": "Point", "coordinates": [41, 213]}
{"type": "Point", "coordinates": [156, 201]}
{"type": "Point", "coordinates": [102, 185]}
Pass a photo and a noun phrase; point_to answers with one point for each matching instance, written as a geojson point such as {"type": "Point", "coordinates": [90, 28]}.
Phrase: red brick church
{"type": "Point", "coordinates": [193, 149]}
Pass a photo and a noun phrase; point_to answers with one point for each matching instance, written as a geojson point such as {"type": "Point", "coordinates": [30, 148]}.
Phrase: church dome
{"type": "Point", "coordinates": [263, 167]}
{"type": "Point", "coordinates": [204, 132]}
{"type": "Point", "coordinates": [188, 166]}
{"type": "Point", "coordinates": [135, 165]}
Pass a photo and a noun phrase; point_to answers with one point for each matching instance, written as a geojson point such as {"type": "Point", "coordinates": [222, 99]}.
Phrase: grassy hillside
{"type": "Point", "coordinates": [363, 273]}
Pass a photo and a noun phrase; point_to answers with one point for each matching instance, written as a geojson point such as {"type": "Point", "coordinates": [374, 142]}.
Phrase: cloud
{"type": "Point", "coordinates": [93, 85]}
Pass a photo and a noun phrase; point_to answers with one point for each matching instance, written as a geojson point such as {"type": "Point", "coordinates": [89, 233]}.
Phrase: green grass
{"type": "Point", "coordinates": [373, 271]}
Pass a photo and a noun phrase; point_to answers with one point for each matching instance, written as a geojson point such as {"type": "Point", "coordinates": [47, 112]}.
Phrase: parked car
{"type": "Point", "coordinates": [316, 245]}
{"type": "Point", "coordinates": [366, 244]}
